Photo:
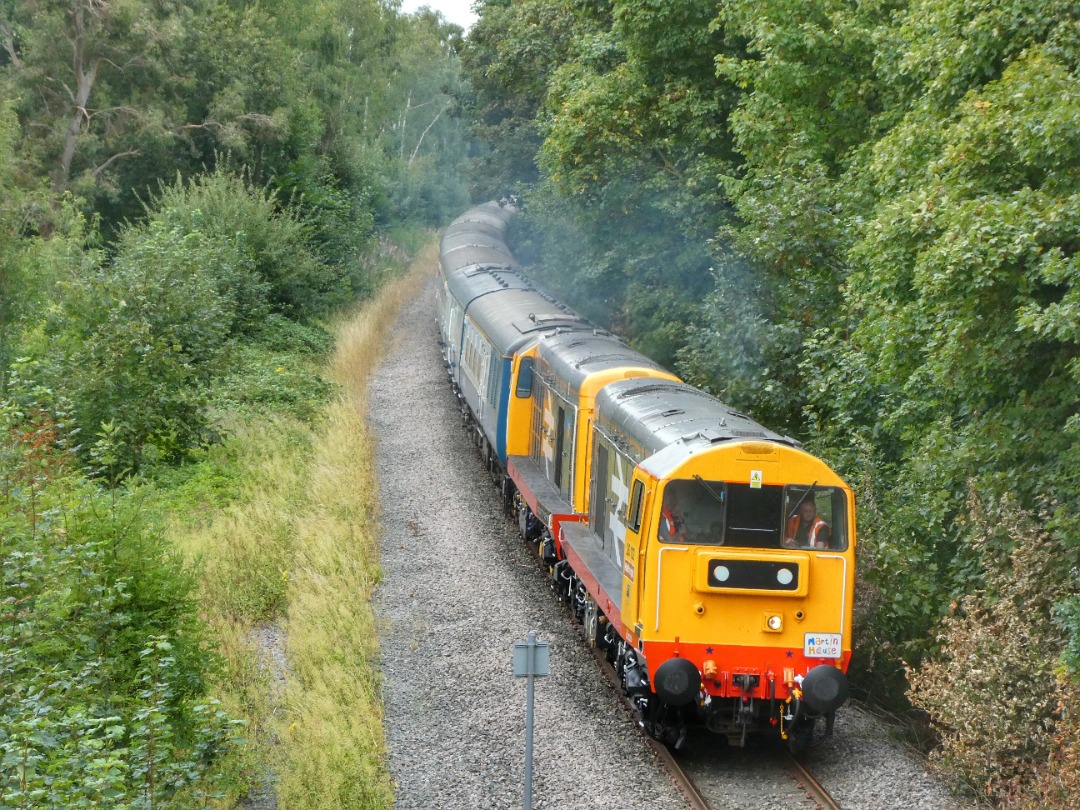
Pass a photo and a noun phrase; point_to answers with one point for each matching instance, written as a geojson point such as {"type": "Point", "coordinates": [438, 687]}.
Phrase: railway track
{"type": "Point", "coordinates": [755, 777]}
{"type": "Point", "coordinates": [812, 787]}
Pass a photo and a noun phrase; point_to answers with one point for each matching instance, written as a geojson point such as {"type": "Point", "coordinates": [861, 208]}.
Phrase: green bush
{"type": "Point", "coordinates": [104, 669]}
{"type": "Point", "coordinates": [290, 276]}
{"type": "Point", "coordinates": [142, 338]}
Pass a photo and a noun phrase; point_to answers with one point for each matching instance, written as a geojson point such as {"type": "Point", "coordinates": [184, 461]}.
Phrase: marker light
{"type": "Point", "coordinates": [775, 623]}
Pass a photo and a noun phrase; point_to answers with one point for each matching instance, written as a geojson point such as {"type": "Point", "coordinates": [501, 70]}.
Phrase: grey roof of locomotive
{"type": "Point", "coordinates": [573, 357]}
{"type": "Point", "coordinates": [507, 308]}
{"type": "Point", "coordinates": [645, 416]}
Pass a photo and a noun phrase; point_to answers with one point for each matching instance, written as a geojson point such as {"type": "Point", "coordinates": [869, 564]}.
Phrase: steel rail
{"type": "Point", "coordinates": [683, 783]}
{"type": "Point", "coordinates": [810, 785]}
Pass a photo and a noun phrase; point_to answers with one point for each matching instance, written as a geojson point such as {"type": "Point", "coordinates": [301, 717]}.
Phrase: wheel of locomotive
{"type": "Point", "coordinates": [666, 725]}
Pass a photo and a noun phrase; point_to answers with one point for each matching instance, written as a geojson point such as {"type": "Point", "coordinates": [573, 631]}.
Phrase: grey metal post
{"type": "Point", "coordinates": [529, 692]}
{"type": "Point", "coordinates": [531, 660]}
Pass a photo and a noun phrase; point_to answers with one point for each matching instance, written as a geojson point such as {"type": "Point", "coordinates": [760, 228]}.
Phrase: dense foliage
{"type": "Point", "coordinates": [103, 661]}
{"type": "Point", "coordinates": [858, 221]}
{"type": "Point", "coordinates": [188, 191]}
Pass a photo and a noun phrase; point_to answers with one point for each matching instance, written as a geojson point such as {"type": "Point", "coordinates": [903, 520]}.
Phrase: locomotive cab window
{"type": "Point", "coordinates": [525, 378]}
{"type": "Point", "coordinates": [633, 520]}
{"type": "Point", "coordinates": [754, 517]}
{"type": "Point", "coordinates": [692, 511]}
{"type": "Point", "coordinates": [815, 518]}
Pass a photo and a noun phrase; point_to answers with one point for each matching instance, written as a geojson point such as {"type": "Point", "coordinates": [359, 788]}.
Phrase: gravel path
{"type": "Point", "coordinates": [863, 766]}
{"type": "Point", "coordinates": [459, 589]}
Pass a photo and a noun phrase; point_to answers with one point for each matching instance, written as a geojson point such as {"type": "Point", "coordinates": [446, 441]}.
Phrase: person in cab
{"type": "Point", "coordinates": [672, 527]}
{"type": "Point", "coordinates": [806, 529]}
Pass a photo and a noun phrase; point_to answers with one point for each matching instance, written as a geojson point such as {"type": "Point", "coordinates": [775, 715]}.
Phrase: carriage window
{"type": "Point", "coordinates": [634, 514]}
{"type": "Point", "coordinates": [525, 378]}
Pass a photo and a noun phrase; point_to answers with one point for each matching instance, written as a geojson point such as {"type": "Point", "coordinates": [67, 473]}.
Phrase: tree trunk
{"type": "Point", "coordinates": [84, 78]}
{"type": "Point", "coordinates": [8, 37]}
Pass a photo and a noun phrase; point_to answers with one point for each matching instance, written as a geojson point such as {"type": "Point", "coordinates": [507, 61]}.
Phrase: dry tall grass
{"type": "Point", "coordinates": [332, 739]}
{"type": "Point", "coordinates": [297, 551]}
{"type": "Point", "coordinates": [243, 553]}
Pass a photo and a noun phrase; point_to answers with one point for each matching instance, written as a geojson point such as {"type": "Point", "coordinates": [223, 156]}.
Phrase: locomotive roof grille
{"type": "Point", "coordinates": [604, 358]}
{"type": "Point", "coordinates": [665, 386]}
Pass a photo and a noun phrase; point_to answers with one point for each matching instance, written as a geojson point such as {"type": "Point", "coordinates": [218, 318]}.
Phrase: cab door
{"type": "Point", "coordinates": [638, 519]}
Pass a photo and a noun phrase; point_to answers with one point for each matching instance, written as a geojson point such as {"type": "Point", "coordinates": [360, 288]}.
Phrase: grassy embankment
{"type": "Point", "coordinates": [292, 558]}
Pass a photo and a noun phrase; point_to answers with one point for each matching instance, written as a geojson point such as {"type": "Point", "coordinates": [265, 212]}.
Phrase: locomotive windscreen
{"type": "Point", "coordinates": [703, 512]}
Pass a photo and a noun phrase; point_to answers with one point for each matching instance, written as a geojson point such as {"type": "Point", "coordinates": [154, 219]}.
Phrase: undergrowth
{"type": "Point", "coordinates": [106, 671]}
{"type": "Point", "coordinates": [1005, 712]}
{"type": "Point", "coordinates": [279, 518]}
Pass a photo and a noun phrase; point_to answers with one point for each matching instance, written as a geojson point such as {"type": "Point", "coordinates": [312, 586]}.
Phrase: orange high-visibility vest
{"type": "Point", "coordinates": [672, 528]}
{"type": "Point", "coordinates": [812, 535]}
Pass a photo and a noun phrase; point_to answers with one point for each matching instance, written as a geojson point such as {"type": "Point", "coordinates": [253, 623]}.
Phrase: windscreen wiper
{"type": "Point", "coordinates": [795, 511]}
{"type": "Point", "coordinates": [718, 497]}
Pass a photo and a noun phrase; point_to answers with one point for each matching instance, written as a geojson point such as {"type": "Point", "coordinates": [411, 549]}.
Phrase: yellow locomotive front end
{"type": "Point", "coordinates": [738, 569]}
{"type": "Point", "coordinates": [739, 587]}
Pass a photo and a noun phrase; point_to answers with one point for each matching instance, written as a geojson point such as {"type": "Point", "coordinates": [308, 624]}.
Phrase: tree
{"type": "Point", "coordinates": [508, 59]}
{"type": "Point", "coordinates": [87, 76]}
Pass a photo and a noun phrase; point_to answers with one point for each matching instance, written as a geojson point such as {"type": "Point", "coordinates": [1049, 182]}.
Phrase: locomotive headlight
{"type": "Point", "coordinates": [774, 622]}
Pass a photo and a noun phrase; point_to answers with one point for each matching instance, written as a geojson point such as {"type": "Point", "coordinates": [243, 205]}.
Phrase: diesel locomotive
{"type": "Point", "coordinates": [711, 559]}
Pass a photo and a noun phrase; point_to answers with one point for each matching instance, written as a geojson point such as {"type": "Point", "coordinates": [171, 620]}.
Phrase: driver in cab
{"type": "Point", "coordinates": [806, 530]}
